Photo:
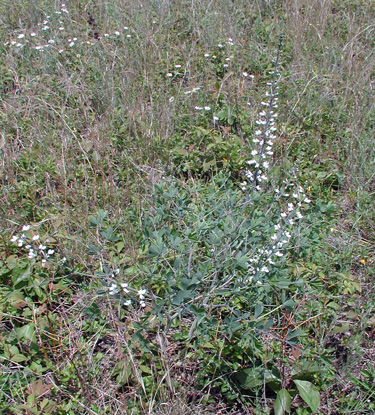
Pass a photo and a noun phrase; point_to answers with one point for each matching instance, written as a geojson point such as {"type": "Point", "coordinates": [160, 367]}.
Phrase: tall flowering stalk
{"type": "Point", "coordinates": [263, 258]}
{"type": "Point", "coordinates": [264, 137]}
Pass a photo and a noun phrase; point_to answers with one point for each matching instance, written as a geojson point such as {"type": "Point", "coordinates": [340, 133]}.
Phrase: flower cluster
{"type": "Point", "coordinates": [264, 138]}
{"type": "Point", "coordinates": [256, 174]}
{"type": "Point", "coordinates": [31, 243]}
{"type": "Point", "coordinates": [265, 257]}
{"type": "Point", "coordinates": [51, 33]}
{"type": "Point", "coordinates": [126, 291]}
{"type": "Point", "coordinates": [214, 58]}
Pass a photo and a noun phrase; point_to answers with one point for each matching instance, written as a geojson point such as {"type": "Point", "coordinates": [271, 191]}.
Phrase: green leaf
{"type": "Point", "coordinates": [250, 378]}
{"type": "Point", "coordinates": [282, 403]}
{"type": "Point", "coordinates": [20, 274]}
{"type": "Point", "coordinates": [181, 296]}
{"type": "Point", "coordinates": [208, 164]}
{"type": "Point", "coordinates": [258, 311]}
{"type": "Point", "coordinates": [309, 393]}
{"type": "Point", "coordinates": [26, 332]}
{"type": "Point", "coordinates": [242, 261]}
{"type": "Point", "coordinates": [19, 358]}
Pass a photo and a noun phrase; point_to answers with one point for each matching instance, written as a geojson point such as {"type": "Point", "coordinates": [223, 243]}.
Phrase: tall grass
{"type": "Point", "coordinates": [115, 98]}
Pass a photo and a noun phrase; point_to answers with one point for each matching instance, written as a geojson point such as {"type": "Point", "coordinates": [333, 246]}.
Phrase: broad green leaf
{"type": "Point", "coordinates": [250, 378]}
{"type": "Point", "coordinates": [181, 296]}
{"type": "Point", "coordinates": [258, 311]}
{"type": "Point", "coordinates": [282, 403]}
{"type": "Point", "coordinates": [26, 332]}
{"type": "Point", "coordinates": [19, 358]}
{"type": "Point", "coordinates": [309, 393]}
{"type": "Point", "coordinates": [242, 261]}
{"type": "Point", "coordinates": [20, 274]}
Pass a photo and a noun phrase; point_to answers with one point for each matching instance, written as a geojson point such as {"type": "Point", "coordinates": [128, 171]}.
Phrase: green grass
{"type": "Point", "coordinates": [105, 154]}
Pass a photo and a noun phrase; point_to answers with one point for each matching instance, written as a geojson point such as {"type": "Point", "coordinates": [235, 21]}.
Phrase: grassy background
{"type": "Point", "coordinates": [98, 125]}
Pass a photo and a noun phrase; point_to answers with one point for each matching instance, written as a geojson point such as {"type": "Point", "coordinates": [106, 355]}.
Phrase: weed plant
{"type": "Point", "coordinates": [218, 241]}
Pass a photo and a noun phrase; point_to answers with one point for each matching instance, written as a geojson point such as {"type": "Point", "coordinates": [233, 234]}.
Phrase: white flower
{"type": "Point", "coordinates": [177, 66]}
{"type": "Point", "coordinates": [245, 74]}
{"type": "Point", "coordinates": [42, 247]}
{"type": "Point", "coordinates": [219, 45]}
{"type": "Point", "coordinates": [14, 238]}
{"type": "Point", "coordinates": [279, 254]}
{"type": "Point", "coordinates": [25, 228]}
{"type": "Point", "coordinates": [113, 289]}
{"type": "Point", "coordinates": [206, 55]}
{"type": "Point", "coordinates": [117, 33]}
{"type": "Point", "coordinates": [254, 153]}
{"type": "Point", "coordinates": [290, 207]}
{"type": "Point", "coordinates": [35, 237]}
{"type": "Point", "coordinates": [32, 34]}
{"type": "Point", "coordinates": [127, 303]}
{"type": "Point", "coordinates": [171, 99]}
{"type": "Point", "coordinates": [207, 108]}
{"type": "Point", "coordinates": [169, 74]}
{"type": "Point", "coordinates": [265, 269]}
{"type": "Point", "coordinates": [31, 254]}
{"type": "Point", "coordinates": [142, 304]}
{"type": "Point", "coordinates": [20, 242]}
{"type": "Point", "coordinates": [20, 36]}
{"type": "Point", "coordinates": [50, 252]}
{"type": "Point", "coordinates": [141, 294]}
{"type": "Point", "coordinates": [198, 108]}
{"type": "Point", "coordinates": [307, 200]}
